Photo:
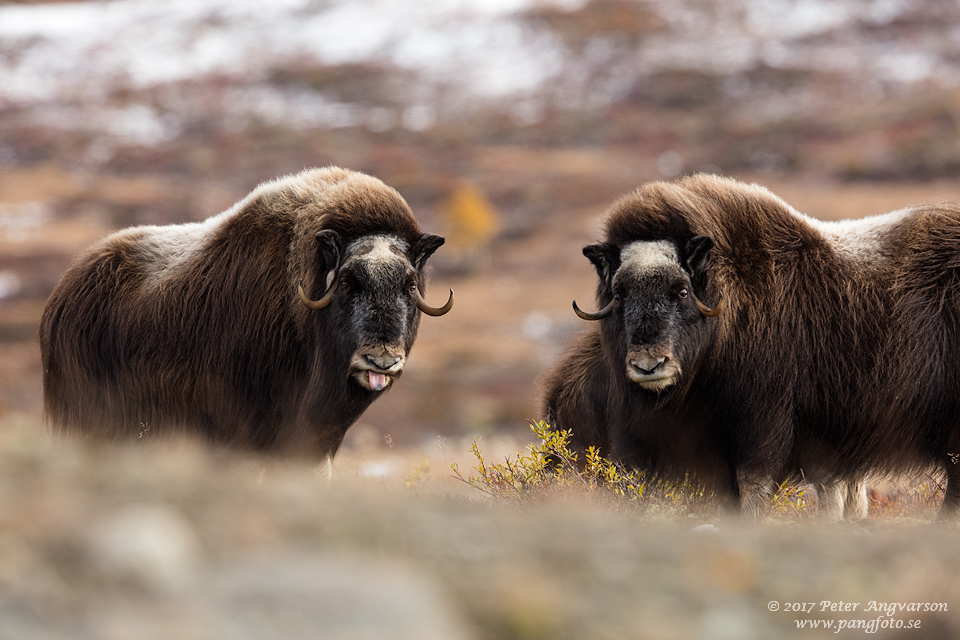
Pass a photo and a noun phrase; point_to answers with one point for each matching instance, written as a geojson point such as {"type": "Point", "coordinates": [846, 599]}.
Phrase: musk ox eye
{"type": "Point", "coordinates": [683, 293]}
{"type": "Point", "coordinates": [345, 286]}
{"type": "Point", "coordinates": [413, 289]}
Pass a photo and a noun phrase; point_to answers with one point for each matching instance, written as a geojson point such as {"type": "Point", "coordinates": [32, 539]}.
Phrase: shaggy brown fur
{"type": "Point", "coordinates": [836, 351]}
{"type": "Point", "coordinates": [199, 327]}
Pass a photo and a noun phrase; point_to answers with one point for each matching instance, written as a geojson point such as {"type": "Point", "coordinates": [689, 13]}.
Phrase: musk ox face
{"type": "Point", "coordinates": [372, 299]}
{"type": "Point", "coordinates": [652, 317]}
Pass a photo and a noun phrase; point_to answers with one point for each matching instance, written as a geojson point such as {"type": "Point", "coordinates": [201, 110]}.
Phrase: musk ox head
{"type": "Point", "coordinates": [371, 298]}
{"type": "Point", "coordinates": [651, 314]}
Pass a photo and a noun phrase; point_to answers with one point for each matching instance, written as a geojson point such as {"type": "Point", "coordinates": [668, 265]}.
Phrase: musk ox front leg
{"type": "Point", "coordinates": [745, 497]}
{"type": "Point", "coordinates": [754, 492]}
{"type": "Point", "coordinates": [843, 499]}
{"type": "Point", "coordinates": [857, 505]}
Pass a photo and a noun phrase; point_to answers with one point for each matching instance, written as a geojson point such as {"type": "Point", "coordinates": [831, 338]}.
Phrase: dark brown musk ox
{"type": "Point", "coordinates": [740, 341]}
{"type": "Point", "coordinates": [271, 326]}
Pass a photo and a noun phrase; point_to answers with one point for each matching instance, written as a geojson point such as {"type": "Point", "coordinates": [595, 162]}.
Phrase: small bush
{"type": "Point", "coordinates": [789, 501]}
{"type": "Point", "coordinates": [552, 470]}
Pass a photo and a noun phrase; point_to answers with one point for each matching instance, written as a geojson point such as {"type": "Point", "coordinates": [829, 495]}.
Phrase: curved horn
{"type": "Point", "coordinates": [327, 295]}
{"type": "Point", "coordinates": [599, 315]}
{"type": "Point", "coordinates": [707, 311]}
{"type": "Point", "coordinates": [434, 311]}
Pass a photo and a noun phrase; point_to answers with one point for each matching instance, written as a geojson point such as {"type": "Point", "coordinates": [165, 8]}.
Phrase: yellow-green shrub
{"type": "Point", "coordinates": [551, 469]}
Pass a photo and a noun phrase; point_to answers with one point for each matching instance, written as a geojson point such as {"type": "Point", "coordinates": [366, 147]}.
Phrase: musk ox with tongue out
{"type": "Point", "coordinates": [271, 326]}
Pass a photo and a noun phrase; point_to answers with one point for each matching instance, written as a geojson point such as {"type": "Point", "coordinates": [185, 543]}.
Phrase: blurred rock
{"type": "Point", "coordinates": [152, 545]}
{"type": "Point", "coordinates": [340, 596]}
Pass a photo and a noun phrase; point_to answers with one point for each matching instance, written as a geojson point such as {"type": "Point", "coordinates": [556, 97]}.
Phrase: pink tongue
{"type": "Point", "coordinates": [377, 381]}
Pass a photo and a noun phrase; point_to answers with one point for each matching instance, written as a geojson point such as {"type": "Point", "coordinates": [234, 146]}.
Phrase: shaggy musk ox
{"type": "Point", "coordinates": [270, 326]}
{"type": "Point", "coordinates": [740, 341]}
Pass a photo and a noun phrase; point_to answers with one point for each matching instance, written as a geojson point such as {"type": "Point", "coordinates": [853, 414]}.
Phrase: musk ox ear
{"type": "Point", "coordinates": [426, 245]}
{"type": "Point", "coordinates": [695, 254]}
{"type": "Point", "coordinates": [330, 251]}
{"type": "Point", "coordinates": [605, 258]}
{"type": "Point", "coordinates": [331, 248]}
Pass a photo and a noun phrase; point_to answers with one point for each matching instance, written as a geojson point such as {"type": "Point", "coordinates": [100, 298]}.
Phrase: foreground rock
{"type": "Point", "coordinates": [178, 542]}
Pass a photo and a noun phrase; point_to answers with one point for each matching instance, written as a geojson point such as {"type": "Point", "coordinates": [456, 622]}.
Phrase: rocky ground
{"type": "Point", "coordinates": [180, 542]}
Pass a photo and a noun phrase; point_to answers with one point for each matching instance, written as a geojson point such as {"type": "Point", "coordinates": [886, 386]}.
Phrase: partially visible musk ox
{"type": "Point", "coordinates": [740, 341]}
{"type": "Point", "coordinates": [271, 326]}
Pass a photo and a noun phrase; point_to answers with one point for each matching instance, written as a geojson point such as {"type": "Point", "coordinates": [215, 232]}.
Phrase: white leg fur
{"type": "Point", "coordinates": [830, 498]}
{"type": "Point", "coordinates": [857, 505]}
{"type": "Point", "coordinates": [324, 470]}
{"type": "Point", "coordinates": [843, 499]}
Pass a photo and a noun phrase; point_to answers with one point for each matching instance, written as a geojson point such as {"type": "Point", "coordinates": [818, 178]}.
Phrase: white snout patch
{"type": "Point", "coordinates": [652, 371]}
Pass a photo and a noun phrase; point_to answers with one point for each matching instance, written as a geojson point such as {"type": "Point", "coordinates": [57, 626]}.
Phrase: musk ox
{"type": "Point", "coordinates": [271, 326]}
{"type": "Point", "coordinates": [739, 341]}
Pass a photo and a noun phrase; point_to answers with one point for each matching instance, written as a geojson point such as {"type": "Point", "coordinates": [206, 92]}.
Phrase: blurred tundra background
{"type": "Point", "coordinates": [509, 126]}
